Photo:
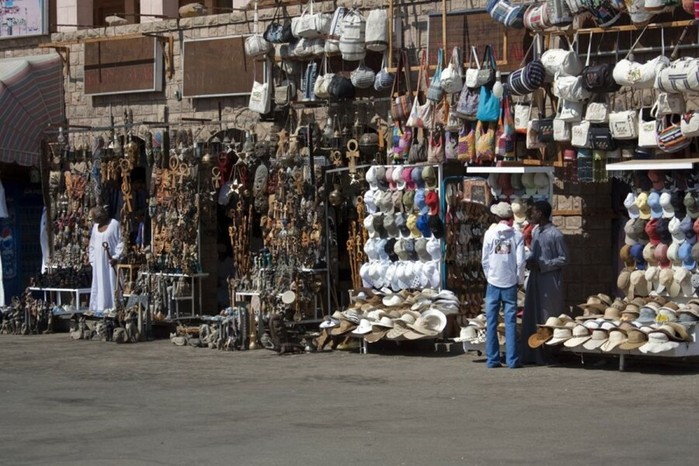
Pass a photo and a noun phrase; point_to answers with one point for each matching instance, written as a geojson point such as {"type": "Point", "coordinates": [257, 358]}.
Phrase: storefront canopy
{"type": "Point", "coordinates": [31, 98]}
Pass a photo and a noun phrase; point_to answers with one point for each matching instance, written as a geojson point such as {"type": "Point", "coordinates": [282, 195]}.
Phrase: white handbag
{"type": "Point", "coordinates": [690, 124]}
{"type": "Point", "coordinates": [597, 112]}
{"type": "Point", "coordinates": [450, 79]}
{"type": "Point", "coordinates": [352, 46]}
{"type": "Point", "coordinates": [561, 130]}
{"type": "Point", "coordinates": [532, 140]}
{"type": "Point", "coordinates": [261, 95]}
{"type": "Point", "coordinates": [332, 42]}
{"type": "Point", "coordinates": [256, 45]}
{"type": "Point", "coordinates": [303, 48]}
{"type": "Point", "coordinates": [310, 25]}
{"type": "Point", "coordinates": [640, 76]}
{"type": "Point", "coordinates": [570, 88]}
{"type": "Point", "coordinates": [561, 62]}
{"type": "Point", "coordinates": [377, 30]}
{"type": "Point", "coordinates": [322, 84]}
{"type": "Point", "coordinates": [647, 132]}
{"type": "Point", "coordinates": [570, 111]}
{"type": "Point", "coordinates": [624, 124]}
{"type": "Point", "coordinates": [522, 116]}
{"type": "Point", "coordinates": [580, 134]}
{"type": "Point", "coordinates": [668, 104]}
{"type": "Point", "coordinates": [471, 79]}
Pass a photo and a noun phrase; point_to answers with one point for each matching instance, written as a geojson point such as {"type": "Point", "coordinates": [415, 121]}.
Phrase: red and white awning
{"type": "Point", "coordinates": [31, 98]}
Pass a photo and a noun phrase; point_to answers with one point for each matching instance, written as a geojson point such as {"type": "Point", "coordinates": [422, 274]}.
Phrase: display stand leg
{"type": "Point", "coordinates": [622, 362]}
{"type": "Point", "coordinates": [364, 349]}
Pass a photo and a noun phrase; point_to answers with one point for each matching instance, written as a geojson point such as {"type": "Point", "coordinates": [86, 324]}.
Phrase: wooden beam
{"type": "Point", "coordinates": [625, 28]}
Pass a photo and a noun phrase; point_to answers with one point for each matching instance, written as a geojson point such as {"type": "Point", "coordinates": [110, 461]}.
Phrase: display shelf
{"type": "Point", "coordinates": [193, 278]}
{"type": "Point", "coordinates": [656, 164]}
{"type": "Point", "coordinates": [522, 169]}
{"type": "Point", "coordinates": [75, 292]}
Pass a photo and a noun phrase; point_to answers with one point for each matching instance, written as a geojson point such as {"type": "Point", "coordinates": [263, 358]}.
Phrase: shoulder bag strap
{"type": "Point", "coordinates": [396, 81]}
{"type": "Point", "coordinates": [406, 71]}
{"type": "Point", "coordinates": [474, 57]}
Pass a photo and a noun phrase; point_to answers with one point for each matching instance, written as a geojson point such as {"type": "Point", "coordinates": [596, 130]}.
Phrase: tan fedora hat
{"type": "Point", "coordinates": [542, 335]}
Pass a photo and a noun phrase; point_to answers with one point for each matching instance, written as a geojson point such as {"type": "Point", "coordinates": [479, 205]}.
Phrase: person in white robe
{"type": "Point", "coordinates": [105, 231]}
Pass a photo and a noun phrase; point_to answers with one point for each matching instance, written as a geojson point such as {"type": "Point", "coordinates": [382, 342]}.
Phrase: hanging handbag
{"type": "Point", "coordinates": [377, 30]}
{"type": "Point", "coordinates": [261, 95]}
{"type": "Point", "coordinates": [570, 111]}
{"type": "Point", "coordinates": [624, 124]}
{"type": "Point", "coordinates": [363, 77]}
{"type": "Point", "coordinates": [570, 88]}
{"type": "Point", "coordinates": [401, 104]}
{"type": "Point", "coordinates": [670, 137]}
{"type": "Point", "coordinates": [341, 88]}
{"type": "Point", "coordinates": [279, 30]}
{"type": "Point", "coordinates": [322, 84]}
{"type": "Point", "coordinates": [561, 62]}
{"type": "Point", "coordinates": [536, 18]}
{"type": "Point", "coordinates": [467, 106]}
{"type": "Point", "coordinates": [451, 80]}
{"type": "Point", "coordinates": [532, 140]}
{"type": "Point", "coordinates": [527, 78]}
{"type": "Point", "coordinates": [486, 74]}
{"type": "Point", "coordinates": [601, 138]}
{"type": "Point", "coordinates": [507, 133]}
{"type": "Point", "coordinates": [332, 42]}
{"type": "Point", "coordinates": [640, 76]}
{"type": "Point", "coordinates": [384, 79]}
{"type": "Point", "coordinates": [561, 130]}
{"type": "Point", "coordinates": [256, 45]}
{"type": "Point", "coordinates": [668, 104]}
{"type": "Point", "coordinates": [435, 91]}
{"type": "Point", "coordinates": [690, 125]}
{"type": "Point", "coordinates": [421, 115]}
{"type": "Point", "coordinates": [435, 153]}
{"type": "Point", "coordinates": [597, 112]}
{"type": "Point", "coordinates": [308, 81]}
{"type": "Point", "coordinates": [605, 12]}
{"type": "Point", "coordinates": [418, 149]}
{"type": "Point", "coordinates": [310, 24]}
{"type": "Point", "coordinates": [450, 146]}
{"type": "Point", "coordinates": [580, 134]}
{"type": "Point", "coordinates": [488, 105]}
{"type": "Point", "coordinates": [523, 113]}
{"type": "Point", "coordinates": [485, 143]}
{"type": "Point", "coordinates": [559, 13]}
{"type": "Point", "coordinates": [598, 78]}
{"type": "Point", "coordinates": [466, 148]}
{"type": "Point", "coordinates": [285, 91]}
{"type": "Point", "coordinates": [647, 130]}
{"type": "Point", "coordinates": [471, 76]}
{"type": "Point", "coordinates": [502, 11]}
{"type": "Point", "coordinates": [352, 46]}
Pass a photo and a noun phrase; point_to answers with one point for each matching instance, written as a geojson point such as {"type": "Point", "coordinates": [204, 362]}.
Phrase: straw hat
{"type": "Point", "coordinates": [542, 335]}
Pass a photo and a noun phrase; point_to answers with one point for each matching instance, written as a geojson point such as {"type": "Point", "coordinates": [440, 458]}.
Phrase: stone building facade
{"type": "Point", "coordinates": [581, 211]}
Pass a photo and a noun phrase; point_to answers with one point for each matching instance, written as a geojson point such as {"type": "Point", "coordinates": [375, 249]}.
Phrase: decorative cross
{"type": "Point", "coordinates": [183, 170]}
{"type": "Point", "coordinates": [352, 155]}
{"type": "Point", "coordinates": [216, 177]}
{"type": "Point", "coordinates": [336, 158]}
{"type": "Point", "coordinates": [283, 136]}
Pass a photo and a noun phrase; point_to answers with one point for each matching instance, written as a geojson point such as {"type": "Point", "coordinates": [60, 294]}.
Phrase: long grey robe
{"type": "Point", "coordinates": [545, 297]}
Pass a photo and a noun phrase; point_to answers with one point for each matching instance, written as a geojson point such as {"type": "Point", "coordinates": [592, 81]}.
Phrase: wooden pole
{"type": "Point", "coordinates": [444, 25]}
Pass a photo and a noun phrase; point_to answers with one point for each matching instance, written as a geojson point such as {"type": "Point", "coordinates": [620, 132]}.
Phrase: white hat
{"type": "Point", "coordinates": [678, 235]}
{"type": "Point", "coordinates": [631, 207]}
{"type": "Point", "coordinates": [658, 342]}
{"type": "Point", "coordinates": [596, 340]}
{"type": "Point", "coordinates": [541, 180]}
{"type": "Point", "coordinates": [398, 177]}
{"type": "Point", "coordinates": [436, 320]}
{"type": "Point", "coordinates": [666, 204]}
{"type": "Point", "coordinates": [385, 322]}
{"type": "Point", "coordinates": [502, 210]}
{"type": "Point", "coordinates": [434, 247]}
{"type": "Point", "coordinates": [617, 336]}
{"type": "Point", "coordinates": [369, 201]}
{"type": "Point", "coordinates": [559, 336]}
{"type": "Point", "coordinates": [529, 184]}
{"type": "Point", "coordinates": [580, 335]}
{"type": "Point", "coordinates": [467, 333]}
{"type": "Point", "coordinates": [370, 177]}
{"type": "Point", "coordinates": [363, 328]}
{"type": "Point", "coordinates": [367, 282]}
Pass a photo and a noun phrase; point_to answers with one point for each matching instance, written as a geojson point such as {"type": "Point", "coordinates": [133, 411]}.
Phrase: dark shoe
{"type": "Point", "coordinates": [493, 366]}
{"type": "Point", "coordinates": [518, 366]}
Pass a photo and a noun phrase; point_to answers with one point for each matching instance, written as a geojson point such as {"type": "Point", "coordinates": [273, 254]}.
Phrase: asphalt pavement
{"type": "Point", "coordinates": [77, 403]}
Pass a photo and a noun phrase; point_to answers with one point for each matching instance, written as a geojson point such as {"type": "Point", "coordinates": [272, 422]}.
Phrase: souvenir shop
{"type": "Point", "coordinates": [349, 209]}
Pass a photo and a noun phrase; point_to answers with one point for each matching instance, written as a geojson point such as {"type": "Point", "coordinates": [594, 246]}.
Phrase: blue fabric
{"type": "Point", "coordinates": [488, 105]}
{"type": "Point", "coordinates": [494, 297]}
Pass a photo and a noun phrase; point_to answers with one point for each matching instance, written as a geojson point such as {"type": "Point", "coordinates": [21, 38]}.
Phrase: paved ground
{"type": "Point", "coordinates": [88, 403]}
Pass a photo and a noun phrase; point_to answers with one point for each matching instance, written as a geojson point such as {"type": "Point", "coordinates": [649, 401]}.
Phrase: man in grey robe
{"type": "Point", "coordinates": [544, 292]}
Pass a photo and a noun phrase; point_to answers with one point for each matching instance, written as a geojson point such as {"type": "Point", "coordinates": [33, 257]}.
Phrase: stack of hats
{"type": "Point", "coordinates": [506, 187]}
{"type": "Point", "coordinates": [651, 325]}
{"type": "Point", "coordinates": [660, 251]}
{"type": "Point", "coordinates": [404, 228]}
{"type": "Point", "coordinates": [379, 315]}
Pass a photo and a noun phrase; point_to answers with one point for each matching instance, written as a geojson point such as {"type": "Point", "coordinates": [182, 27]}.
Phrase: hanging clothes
{"type": "Point", "coordinates": [104, 280]}
{"type": "Point", "coordinates": [3, 202]}
{"type": "Point", "coordinates": [44, 241]}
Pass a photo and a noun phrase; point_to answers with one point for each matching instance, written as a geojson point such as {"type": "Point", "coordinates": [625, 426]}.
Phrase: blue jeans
{"type": "Point", "coordinates": [508, 297]}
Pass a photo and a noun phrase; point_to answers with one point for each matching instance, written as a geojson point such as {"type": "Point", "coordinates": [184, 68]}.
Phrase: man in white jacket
{"type": "Point", "coordinates": [503, 264]}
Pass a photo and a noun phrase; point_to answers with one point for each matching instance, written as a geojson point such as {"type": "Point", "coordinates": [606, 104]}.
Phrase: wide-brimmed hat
{"type": "Point", "coordinates": [364, 327]}
{"type": "Point", "coordinates": [552, 322]}
{"type": "Point", "coordinates": [658, 342]}
{"type": "Point", "coordinates": [422, 328]}
{"type": "Point", "coordinates": [635, 338]}
{"type": "Point", "coordinates": [559, 336]}
{"type": "Point", "coordinates": [479, 321]}
{"type": "Point", "coordinates": [597, 339]}
{"type": "Point", "coordinates": [467, 333]}
{"type": "Point", "coordinates": [542, 335]}
{"type": "Point", "coordinates": [616, 337]}
{"type": "Point", "coordinates": [385, 322]}
{"type": "Point", "coordinates": [580, 335]}
{"type": "Point", "coordinates": [376, 334]}
{"type": "Point", "coordinates": [594, 302]}
{"type": "Point", "coordinates": [345, 327]}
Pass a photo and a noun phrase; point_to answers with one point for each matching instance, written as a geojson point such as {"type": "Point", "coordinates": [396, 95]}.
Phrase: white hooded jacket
{"type": "Point", "coordinates": [503, 256]}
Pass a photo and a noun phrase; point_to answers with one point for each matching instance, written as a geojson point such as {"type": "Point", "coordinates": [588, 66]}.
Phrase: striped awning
{"type": "Point", "coordinates": [31, 98]}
